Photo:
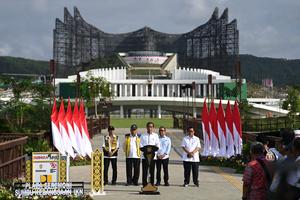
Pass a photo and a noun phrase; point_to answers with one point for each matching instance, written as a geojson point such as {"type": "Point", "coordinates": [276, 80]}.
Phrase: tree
{"type": "Point", "coordinates": [245, 109]}
{"type": "Point", "coordinates": [292, 102]}
{"type": "Point", "coordinates": [93, 88]}
{"type": "Point", "coordinates": [29, 108]}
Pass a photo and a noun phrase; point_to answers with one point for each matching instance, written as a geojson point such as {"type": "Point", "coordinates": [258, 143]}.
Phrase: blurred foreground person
{"type": "Point", "coordinates": [257, 175]}
{"type": "Point", "coordinates": [286, 183]}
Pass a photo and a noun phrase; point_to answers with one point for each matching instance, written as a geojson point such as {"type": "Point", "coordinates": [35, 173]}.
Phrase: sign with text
{"type": "Point", "coordinates": [146, 59]}
{"type": "Point", "coordinates": [24, 190]}
{"type": "Point", "coordinates": [45, 167]}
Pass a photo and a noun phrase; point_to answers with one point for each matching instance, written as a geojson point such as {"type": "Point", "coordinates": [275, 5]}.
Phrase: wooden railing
{"type": "Point", "coordinates": [95, 125]}
{"type": "Point", "coordinates": [12, 158]}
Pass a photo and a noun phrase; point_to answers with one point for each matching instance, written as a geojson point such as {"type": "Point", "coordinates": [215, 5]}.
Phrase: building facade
{"type": "Point", "coordinates": [153, 80]}
{"type": "Point", "coordinates": [213, 45]}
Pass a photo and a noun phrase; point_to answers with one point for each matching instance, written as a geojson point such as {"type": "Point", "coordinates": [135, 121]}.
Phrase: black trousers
{"type": "Point", "coordinates": [188, 166]}
{"type": "Point", "coordinates": [145, 171]}
{"type": "Point", "coordinates": [114, 168]}
{"type": "Point", "coordinates": [165, 164]}
{"type": "Point", "coordinates": [135, 164]}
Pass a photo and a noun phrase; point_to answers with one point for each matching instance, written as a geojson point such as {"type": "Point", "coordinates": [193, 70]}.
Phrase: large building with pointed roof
{"type": "Point", "coordinates": [213, 45]}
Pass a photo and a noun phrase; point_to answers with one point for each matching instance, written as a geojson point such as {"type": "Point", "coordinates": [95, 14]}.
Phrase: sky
{"type": "Point", "coordinates": [267, 28]}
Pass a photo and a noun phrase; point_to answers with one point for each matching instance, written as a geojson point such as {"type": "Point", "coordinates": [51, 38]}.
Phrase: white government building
{"type": "Point", "coordinates": [154, 80]}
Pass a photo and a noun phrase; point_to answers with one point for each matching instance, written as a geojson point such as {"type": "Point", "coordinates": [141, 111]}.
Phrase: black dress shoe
{"type": "Point", "coordinates": [167, 184]}
{"type": "Point", "coordinates": [157, 184]}
{"type": "Point", "coordinates": [135, 184]}
{"type": "Point", "coordinates": [113, 183]}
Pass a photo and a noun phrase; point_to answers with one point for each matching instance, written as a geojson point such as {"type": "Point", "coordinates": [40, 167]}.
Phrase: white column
{"type": "Point", "coordinates": [162, 90]}
{"type": "Point", "coordinates": [173, 90]}
{"type": "Point", "coordinates": [215, 90]}
{"type": "Point", "coordinates": [199, 90]}
{"type": "Point", "coordinates": [130, 93]}
{"type": "Point", "coordinates": [121, 111]}
{"type": "Point", "coordinates": [146, 91]}
{"type": "Point", "coordinates": [142, 92]}
{"type": "Point", "coordinates": [178, 90]}
{"type": "Point", "coordinates": [157, 90]}
{"type": "Point", "coordinates": [121, 90]}
{"type": "Point", "coordinates": [159, 111]}
{"type": "Point", "coordinates": [204, 90]}
{"type": "Point", "coordinates": [115, 89]}
{"type": "Point", "coordinates": [135, 90]}
{"type": "Point", "coordinates": [125, 90]}
{"type": "Point", "coordinates": [110, 88]}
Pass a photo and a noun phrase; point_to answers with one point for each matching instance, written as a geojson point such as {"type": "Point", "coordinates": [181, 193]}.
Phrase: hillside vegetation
{"type": "Point", "coordinates": [254, 69]}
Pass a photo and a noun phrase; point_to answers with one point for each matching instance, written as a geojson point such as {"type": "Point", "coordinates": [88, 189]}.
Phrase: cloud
{"type": "Point", "coordinates": [267, 28]}
{"type": "Point", "coordinates": [40, 5]}
{"type": "Point", "coordinates": [5, 49]}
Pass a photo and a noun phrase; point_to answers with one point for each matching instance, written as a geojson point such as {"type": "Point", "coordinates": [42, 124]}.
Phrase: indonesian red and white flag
{"type": "Point", "coordinates": [229, 131]}
{"type": "Point", "coordinates": [205, 130]}
{"type": "Point", "coordinates": [237, 129]}
{"type": "Point", "coordinates": [221, 130]}
{"type": "Point", "coordinates": [77, 130]}
{"type": "Point", "coordinates": [214, 140]}
{"type": "Point", "coordinates": [84, 130]}
{"type": "Point", "coordinates": [56, 136]}
{"type": "Point", "coordinates": [64, 130]}
{"type": "Point", "coordinates": [70, 126]}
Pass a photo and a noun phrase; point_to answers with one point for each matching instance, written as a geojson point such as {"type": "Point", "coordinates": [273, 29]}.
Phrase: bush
{"type": "Point", "coordinates": [35, 145]}
{"type": "Point", "coordinates": [234, 162]}
{"type": "Point", "coordinates": [6, 194]}
{"type": "Point", "coordinates": [80, 161]}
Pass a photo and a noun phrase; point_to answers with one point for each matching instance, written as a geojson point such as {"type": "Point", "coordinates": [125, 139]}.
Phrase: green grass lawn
{"type": "Point", "coordinates": [141, 122]}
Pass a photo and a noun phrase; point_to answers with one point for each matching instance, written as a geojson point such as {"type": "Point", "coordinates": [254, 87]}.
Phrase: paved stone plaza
{"type": "Point", "coordinates": [215, 182]}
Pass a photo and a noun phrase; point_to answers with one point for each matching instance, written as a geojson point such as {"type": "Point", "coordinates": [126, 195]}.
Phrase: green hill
{"type": "Point", "coordinates": [23, 65]}
{"type": "Point", "coordinates": [254, 69]}
{"type": "Point", "coordinates": [282, 71]}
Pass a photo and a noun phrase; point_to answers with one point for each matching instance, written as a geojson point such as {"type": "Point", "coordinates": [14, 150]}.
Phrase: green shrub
{"type": "Point", "coordinates": [35, 145]}
{"type": "Point", "coordinates": [6, 194]}
{"type": "Point", "coordinates": [234, 162]}
{"type": "Point", "coordinates": [80, 161]}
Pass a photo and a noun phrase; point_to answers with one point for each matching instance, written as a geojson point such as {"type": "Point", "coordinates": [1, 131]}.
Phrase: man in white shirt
{"type": "Point", "coordinates": [133, 155]}
{"type": "Point", "coordinates": [149, 138]}
{"type": "Point", "coordinates": [162, 156]}
{"type": "Point", "coordinates": [110, 151]}
{"type": "Point", "coordinates": [191, 146]}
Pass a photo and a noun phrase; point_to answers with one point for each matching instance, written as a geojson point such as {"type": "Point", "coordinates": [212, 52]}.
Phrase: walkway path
{"type": "Point", "coordinates": [215, 182]}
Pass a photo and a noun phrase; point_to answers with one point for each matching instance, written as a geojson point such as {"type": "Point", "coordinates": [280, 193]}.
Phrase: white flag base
{"type": "Point", "coordinates": [93, 193]}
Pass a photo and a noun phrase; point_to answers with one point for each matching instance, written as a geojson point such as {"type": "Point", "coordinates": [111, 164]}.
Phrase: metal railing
{"type": "Point", "coordinates": [271, 124]}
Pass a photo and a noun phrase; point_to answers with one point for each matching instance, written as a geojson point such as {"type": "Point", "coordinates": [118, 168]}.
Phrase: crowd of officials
{"type": "Point", "coordinates": [274, 171]}
{"type": "Point", "coordinates": [132, 146]}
